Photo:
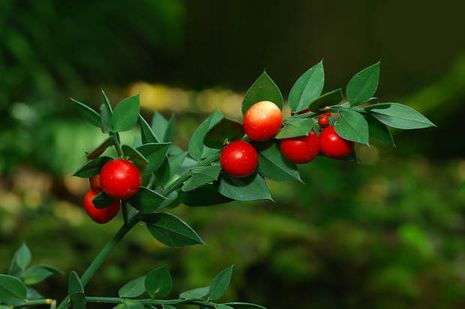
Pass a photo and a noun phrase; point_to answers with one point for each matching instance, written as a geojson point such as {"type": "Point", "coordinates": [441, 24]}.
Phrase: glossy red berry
{"type": "Point", "coordinates": [334, 146]}
{"type": "Point", "coordinates": [120, 179]}
{"type": "Point", "coordinates": [239, 159]}
{"type": "Point", "coordinates": [262, 121]}
{"type": "Point", "coordinates": [323, 121]}
{"type": "Point", "coordinates": [100, 215]}
{"type": "Point", "coordinates": [95, 183]}
{"type": "Point", "coordinates": [301, 149]}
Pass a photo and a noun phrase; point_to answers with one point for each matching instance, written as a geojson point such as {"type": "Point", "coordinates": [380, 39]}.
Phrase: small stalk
{"type": "Point", "coordinates": [47, 301]}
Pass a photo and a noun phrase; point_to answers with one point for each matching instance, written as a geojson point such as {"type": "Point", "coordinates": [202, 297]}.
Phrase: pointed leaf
{"type": "Point", "coordinates": [399, 116]}
{"type": "Point", "coordinates": [263, 89]}
{"type": "Point", "coordinates": [105, 118]}
{"type": "Point", "coordinates": [37, 274]}
{"type": "Point", "coordinates": [328, 99]}
{"type": "Point", "coordinates": [220, 284]}
{"type": "Point", "coordinates": [244, 189]}
{"type": "Point", "coordinates": [196, 143]}
{"type": "Point", "coordinates": [226, 130]}
{"type": "Point", "coordinates": [170, 166]}
{"type": "Point", "coordinates": [94, 154]}
{"type": "Point", "coordinates": [155, 154]}
{"type": "Point", "coordinates": [379, 131]}
{"type": "Point", "coordinates": [195, 293]}
{"type": "Point", "coordinates": [352, 126]}
{"type": "Point", "coordinates": [12, 291]}
{"type": "Point", "coordinates": [171, 230]}
{"type": "Point", "coordinates": [126, 114]}
{"type": "Point", "coordinates": [76, 291]}
{"type": "Point", "coordinates": [146, 200]}
{"type": "Point", "coordinates": [88, 113]}
{"type": "Point", "coordinates": [102, 200]}
{"type": "Point", "coordinates": [158, 282]}
{"type": "Point", "coordinates": [201, 175]}
{"type": "Point", "coordinates": [296, 127]}
{"type": "Point", "coordinates": [133, 288]}
{"type": "Point", "coordinates": [273, 165]}
{"type": "Point", "coordinates": [204, 196]}
{"type": "Point", "coordinates": [22, 257]}
{"type": "Point", "coordinates": [363, 85]}
{"type": "Point", "coordinates": [162, 128]}
{"type": "Point", "coordinates": [135, 156]}
{"type": "Point", "coordinates": [92, 167]}
{"type": "Point", "coordinates": [147, 135]}
{"type": "Point", "coordinates": [307, 88]}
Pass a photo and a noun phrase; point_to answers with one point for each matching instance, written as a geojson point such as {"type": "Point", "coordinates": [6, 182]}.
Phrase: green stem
{"type": "Point", "coordinates": [47, 301]}
{"type": "Point", "coordinates": [148, 301]}
{"type": "Point", "coordinates": [117, 144]}
{"type": "Point", "coordinates": [103, 254]}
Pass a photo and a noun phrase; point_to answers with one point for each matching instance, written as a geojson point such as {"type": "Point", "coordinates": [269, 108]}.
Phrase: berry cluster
{"type": "Point", "coordinates": [262, 121]}
{"type": "Point", "coordinates": [119, 179]}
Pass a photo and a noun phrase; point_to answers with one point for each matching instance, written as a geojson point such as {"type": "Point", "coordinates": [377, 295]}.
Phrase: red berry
{"type": "Point", "coordinates": [262, 121]}
{"type": "Point", "coordinates": [323, 121]}
{"type": "Point", "coordinates": [120, 178]}
{"type": "Point", "coordinates": [239, 159]}
{"type": "Point", "coordinates": [334, 146]}
{"type": "Point", "coordinates": [100, 215]}
{"type": "Point", "coordinates": [95, 183]}
{"type": "Point", "coordinates": [301, 149]}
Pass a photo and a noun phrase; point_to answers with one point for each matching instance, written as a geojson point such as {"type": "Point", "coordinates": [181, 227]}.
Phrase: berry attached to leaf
{"type": "Point", "coordinates": [239, 159]}
{"type": "Point", "coordinates": [334, 146]}
{"type": "Point", "coordinates": [262, 121]}
{"type": "Point", "coordinates": [100, 215]}
{"type": "Point", "coordinates": [301, 149]}
{"type": "Point", "coordinates": [120, 179]}
{"type": "Point", "coordinates": [323, 121]}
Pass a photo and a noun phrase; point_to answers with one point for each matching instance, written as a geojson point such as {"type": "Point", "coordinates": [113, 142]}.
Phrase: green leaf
{"type": "Point", "coordinates": [379, 131]}
{"type": "Point", "coordinates": [244, 189]}
{"type": "Point", "coordinates": [129, 304]}
{"type": "Point", "coordinates": [146, 200]}
{"type": "Point", "coordinates": [169, 167]}
{"type": "Point", "coordinates": [220, 283]}
{"type": "Point", "coordinates": [240, 305]}
{"type": "Point", "coordinates": [126, 114]}
{"type": "Point", "coordinates": [201, 175]}
{"type": "Point", "coordinates": [263, 89]}
{"type": "Point", "coordinates": [204, 196]}
{"type": "Point", "coordinates": [33, 294]}
{"type": "Point", "coordinates": [147, 135]}
{"type": "Point", "coordinates": [158, 282]}
{"type": "Point", "coordinates": [12, 291]}
{"type": "Point", "coordinates": [162, 128]}
{"type": "Point", "coordinates": [352, 126]}
{"type": "Point", "coordinates": [296, 127]}
{"type": "Point", "coordinates": [135, 156]}
{"type": "Point", "coordinates": [399, 116]}
{"type": "Point", "coordinates": [195, 293]}
{"type": "Point", "coordinates": [172, 231]}
{"type": "Point", "coordinates": [307, 88]}
{"type": "Point", "coordinates": [226, 130]}
{"type": "Point", "coordinates": [223, 306]}
{"type": "Point", "coordinates": [102, 200]}
{"type": "Point", "coordinates": [21, 259]}
{"type": "Point", "coordinates": [196, 143]}
{"type": "Point", "coordinates": [88, 113]}
{"type": "Point", "coordinates": [155, 153]}
{"type": "Point", "coordinates": [94, 154]}
{"type": "Point", "coordinates": [328, 99]}
{"type": "Point", "coordinates": [37, 274]}
{"type": "Point", "coordinates": [76, 291]}
{"type": "Point", "coordinates": [105, 117]}
{"type": "Point", "coordinates": [363, 85]}
{"type": "Point", "coordinates": [133, 288]}
{"type": "Point", "coordinates": [92, 167]}
{"type": "Point", "coordinates": [273, 165]}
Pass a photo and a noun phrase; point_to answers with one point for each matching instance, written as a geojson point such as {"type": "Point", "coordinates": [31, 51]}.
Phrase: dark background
{"type": "Point", "coordinates": [385, 233]}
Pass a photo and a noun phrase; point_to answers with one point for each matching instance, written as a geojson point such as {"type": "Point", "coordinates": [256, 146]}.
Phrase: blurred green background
{"type": "Point", "coordinates": [385, 233]}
